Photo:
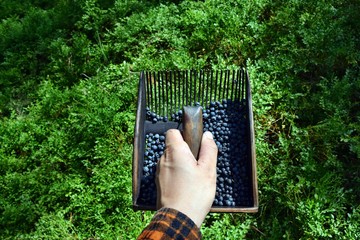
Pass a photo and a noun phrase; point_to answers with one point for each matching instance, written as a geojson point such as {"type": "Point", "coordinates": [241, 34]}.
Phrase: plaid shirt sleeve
{"type": "Point", "coordinates": [170, 224]}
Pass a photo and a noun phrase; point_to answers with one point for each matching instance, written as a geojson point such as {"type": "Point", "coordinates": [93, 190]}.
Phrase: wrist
{"type": "Point", "coordinates": [194, 214]}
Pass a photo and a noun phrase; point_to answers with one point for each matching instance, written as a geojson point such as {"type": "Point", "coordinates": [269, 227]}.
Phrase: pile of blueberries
{"type": "Point", "coordinates": [227, 121]}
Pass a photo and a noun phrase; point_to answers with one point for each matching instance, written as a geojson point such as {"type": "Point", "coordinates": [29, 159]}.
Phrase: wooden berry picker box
{"type": "Point", "coordinates": [225, 100]}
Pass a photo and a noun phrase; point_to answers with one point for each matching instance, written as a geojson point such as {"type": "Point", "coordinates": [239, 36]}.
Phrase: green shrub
{"type": "Point", "coordinates": [68, 84]}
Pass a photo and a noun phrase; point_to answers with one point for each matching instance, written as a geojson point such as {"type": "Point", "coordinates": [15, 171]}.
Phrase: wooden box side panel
{"type": "Point", "coordinates": [252, 144]}
{"type": "Point", "coordinates": [139, 141]}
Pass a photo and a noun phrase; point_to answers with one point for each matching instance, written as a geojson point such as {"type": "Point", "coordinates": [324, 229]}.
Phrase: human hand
{"type": "Point", "coordinates": [183, 183]}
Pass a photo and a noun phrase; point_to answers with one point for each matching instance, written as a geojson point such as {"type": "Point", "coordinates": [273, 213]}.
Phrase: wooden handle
{"type": "Point", "coordinates": [193, 128]}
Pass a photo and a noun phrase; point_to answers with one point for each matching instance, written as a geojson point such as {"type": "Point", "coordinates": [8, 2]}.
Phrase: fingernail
{"type": "Point", "coordinates": [209, 135]}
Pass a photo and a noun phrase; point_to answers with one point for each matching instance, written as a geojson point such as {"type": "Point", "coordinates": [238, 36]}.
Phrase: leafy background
{"type": "Point", "coordinates": [68, 85]}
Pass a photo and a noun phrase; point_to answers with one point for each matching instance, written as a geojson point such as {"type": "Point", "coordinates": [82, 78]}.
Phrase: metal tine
{"type": "Point", "coordinates": [176, 90]}
{"type": "Point", "coordinates": [158, 93]}
{"type": "Point", "coordinates": [161, 96]}
{"type": "Point", "coordinates": [175, 95]}
{"type": "Point", "coordinates": [147, 89]}
{"type": "Point", "coordinates": [191, 80]}
{"type": "Point", "coordinates": [207, 87]}
{"type": "Point", "coordinates": [152, 92]}
{"type": "Point", "coordinates": [165, 100]}
{"type": "Point", "coordinates": [228, 85]}
{"type": "Point", "coordinates": [151, 80]}
{"type": "Point", "coordinates": [224, 85]}
{"type": "Point", "coordinates": [247, 83]}
{"type": "Point", "coordinates": [200, 91]}
{"type": "Point", "coordinates": [165, 92]}
{"type": "Point", "coordinates": [216, 85]}
{"type": "Point", "coordinates": [202, 82]}
{"type": "Point", "coordinates": [179, 90]}
{"type": "Point", "coordinates": [190, 88]}
{"type": "Point", "coordinates": [192, 85]}
{"type": "Point", "coordinates": [171, 94]}
{"type": "Point", "coordinates": [221, 86]}
{"type": "Point", "coordinates": [236, 84]}
{"type": "Point", "coordinates": [225, 82]}
{"type": "Point", "coordinates": [238, 87]}
{"type": "Point", "coordinates": [239, 84]}
{"type": "Point", "coordinates": [234, 94]}
{"type": "Point", "coordinates": [195, 85]}
{"type": "Point", "coordinates": [197, 89]}
{"type": "Point", "coordinates": [184, 89]}
{"type": "Point", "coordinates": [211, 85]}
{"type": "Point", "coordinates": [232, 85]}
{"type": "Point", "coordinates": [189, 97]}
{"type": "Point", "coordinates": [243, 77]}
{"type": "Point", "coordinates": [168, 97]}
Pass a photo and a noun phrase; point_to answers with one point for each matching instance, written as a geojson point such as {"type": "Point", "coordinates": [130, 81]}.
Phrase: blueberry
{"type": "Point", "coordinates": [226, 119]}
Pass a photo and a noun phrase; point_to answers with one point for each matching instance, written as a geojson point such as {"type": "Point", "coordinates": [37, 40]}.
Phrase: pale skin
{"type": "Point", "coordinates": [184, 183]}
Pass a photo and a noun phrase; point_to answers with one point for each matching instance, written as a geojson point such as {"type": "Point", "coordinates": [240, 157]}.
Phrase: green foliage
{"type": "Point", "coordinates": [68, 85]}
{"type": "Point", "coordinates": [226, 227]}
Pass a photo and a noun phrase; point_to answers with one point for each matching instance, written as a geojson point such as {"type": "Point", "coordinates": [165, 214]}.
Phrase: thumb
{"type": "Point", "coordinates": [208, 151]}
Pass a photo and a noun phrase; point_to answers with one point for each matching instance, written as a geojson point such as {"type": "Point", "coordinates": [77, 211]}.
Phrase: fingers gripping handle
{"type": "Point", "coordinates": [193, 128]}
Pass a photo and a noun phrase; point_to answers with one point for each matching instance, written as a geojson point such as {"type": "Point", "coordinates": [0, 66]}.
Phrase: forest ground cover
{"type": "Point", "coordinates": [68, 85]}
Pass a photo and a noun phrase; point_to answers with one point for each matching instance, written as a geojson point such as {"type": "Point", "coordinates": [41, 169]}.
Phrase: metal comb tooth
{"type": "Point", "coordinates": [168, 91]}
